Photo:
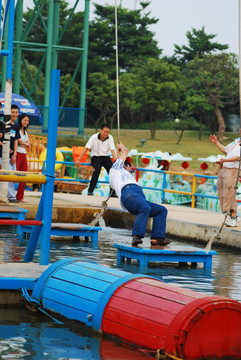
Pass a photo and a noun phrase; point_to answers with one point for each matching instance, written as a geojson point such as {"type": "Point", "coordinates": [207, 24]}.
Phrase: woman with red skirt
{"type": "Point", "coordinates": [23, 145]}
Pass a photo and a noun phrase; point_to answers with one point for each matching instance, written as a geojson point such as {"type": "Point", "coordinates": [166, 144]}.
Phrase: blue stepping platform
{"type": "Point", "coordinates": [13, 212]}
{"type": "Point", "coordinates": [180, 254]}
{"type": "Point", "coordinates": [69, 229]}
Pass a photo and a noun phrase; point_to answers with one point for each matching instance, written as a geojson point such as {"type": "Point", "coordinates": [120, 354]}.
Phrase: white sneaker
{"type": "Point", "coordinates": [228, 219]}
{"type": "Point", "coordinates": [233, 222]}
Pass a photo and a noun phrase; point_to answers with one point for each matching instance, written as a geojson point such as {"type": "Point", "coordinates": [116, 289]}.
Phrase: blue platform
{"type": "Point", "coordinates": [180, 254]}
{"type": "Point", "coordinates": [13, 212]}
{"type": "Point", "coordinates": [69, 229]}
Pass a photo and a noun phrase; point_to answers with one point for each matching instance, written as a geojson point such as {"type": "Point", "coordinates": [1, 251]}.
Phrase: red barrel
{"type": "Point", "coordinates": [176, 321]}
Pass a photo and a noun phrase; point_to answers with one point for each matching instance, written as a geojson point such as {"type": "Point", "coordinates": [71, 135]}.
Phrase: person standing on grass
{"type": "Point", "coordinates": [23, 146]}
{"type": "Point", "coordinates": [227, 179]}
{"type": "Point", "coordinates": [100, 144]}
{"type": "Point", "coordinates": [133, 200]}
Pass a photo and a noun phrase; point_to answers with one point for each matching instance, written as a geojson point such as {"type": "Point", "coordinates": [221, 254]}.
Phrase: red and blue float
{"type": "Point", "coordinates": [141, 310]}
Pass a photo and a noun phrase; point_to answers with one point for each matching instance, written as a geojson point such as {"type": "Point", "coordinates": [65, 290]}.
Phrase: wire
{"type": "Point", "coordinates": [117, 74]}
{"type": "Point", "coordinates": [218, 236]}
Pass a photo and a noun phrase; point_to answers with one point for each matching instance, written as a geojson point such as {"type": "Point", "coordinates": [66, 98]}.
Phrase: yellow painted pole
{"type": "Point", "coordinates": [193, 191]}
{"type": "Point", "coordinates": [22, 177]}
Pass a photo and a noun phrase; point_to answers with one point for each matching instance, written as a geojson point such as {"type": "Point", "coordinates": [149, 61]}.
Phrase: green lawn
{"type": "Point", "coordinates": [190, 145]}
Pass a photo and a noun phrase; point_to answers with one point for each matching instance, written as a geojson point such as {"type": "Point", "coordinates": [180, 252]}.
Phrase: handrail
{"type": "Point", "coordinates": [192, 193]}
{"type": "Point", "coordinates": [164, 188]}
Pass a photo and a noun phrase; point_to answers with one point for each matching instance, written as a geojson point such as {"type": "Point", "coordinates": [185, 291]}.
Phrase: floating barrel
{"type": "Point", "coordinates": [142, 310]}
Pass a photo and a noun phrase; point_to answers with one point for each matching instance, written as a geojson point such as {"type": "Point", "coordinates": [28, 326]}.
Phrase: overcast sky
{"type": "Point", "coordinates": [176, 17]}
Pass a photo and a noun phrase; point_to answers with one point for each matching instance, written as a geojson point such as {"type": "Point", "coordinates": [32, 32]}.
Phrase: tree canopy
{"type": "Point", "coordinates": [199, 44]}
{"type": "Point", "coordinates": [198, 83]}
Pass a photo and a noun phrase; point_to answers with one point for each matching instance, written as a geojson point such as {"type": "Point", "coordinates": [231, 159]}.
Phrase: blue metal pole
{"type": "Point", "coordinates": [50, 167]}
{"type": "Point", "coordinates": [33, 240]}
{"type": "Point", "coordinates": [10, 39]}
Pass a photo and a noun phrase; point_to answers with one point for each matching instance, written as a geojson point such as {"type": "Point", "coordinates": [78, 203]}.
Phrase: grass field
{"type": "Point", "coordinates": [190, 145]}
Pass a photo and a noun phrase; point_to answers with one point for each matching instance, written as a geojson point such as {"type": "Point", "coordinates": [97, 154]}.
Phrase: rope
{"type": "Point", "coordinates": [97, 216]}
{"type": "Point", "coordinates": [104, 204]}
{"type": "Point", "coordinates": [117, 73]}
{"type": "Point", "coordinates": [240, 60]}
{"type": "Point", "coordinates": [218, 236]}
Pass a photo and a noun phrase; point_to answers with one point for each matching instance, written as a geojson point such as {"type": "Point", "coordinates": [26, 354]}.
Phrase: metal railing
{"type": "Point", "coordinates": [164, 189]}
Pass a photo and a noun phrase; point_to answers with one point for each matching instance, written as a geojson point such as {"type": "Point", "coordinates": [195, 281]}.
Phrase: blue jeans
{"type": "Point", "coordinates": [134, 201]}
{"type": "Point", "coordinates": [11, 187]}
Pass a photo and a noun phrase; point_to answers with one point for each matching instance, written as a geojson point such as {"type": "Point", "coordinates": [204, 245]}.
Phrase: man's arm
{"type": "Point", "coordinates": [13, 157]}
{"type": "Point", "coordinates": [232, 159]}
{"type": "Point", "coordinates": [113, 154]}
{"type": "Point", "coordinates": [122, 151]}
{"type": "Point", "coordinates": [78, 162]}
{"type": "Point", "coordinates": [215, 141]}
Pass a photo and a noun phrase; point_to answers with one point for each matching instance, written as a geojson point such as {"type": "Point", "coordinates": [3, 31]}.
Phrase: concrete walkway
{"type": "Point", "coordinates": [183, 222]}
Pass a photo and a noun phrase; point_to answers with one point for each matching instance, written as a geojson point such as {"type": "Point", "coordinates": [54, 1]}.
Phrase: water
{"type": "Point", "coordinates": [28, 335]}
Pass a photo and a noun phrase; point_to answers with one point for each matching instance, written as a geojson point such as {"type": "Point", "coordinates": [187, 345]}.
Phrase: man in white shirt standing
{"type": "Point", "coordinates": [100, 144]}
{"type": "Point", "coordinates": [227, 179]}
{"type": "Point", "coordinates": [133, 200]}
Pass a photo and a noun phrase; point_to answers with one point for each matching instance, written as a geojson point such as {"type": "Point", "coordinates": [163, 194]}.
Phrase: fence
{"type": "Point", "coordinates": [67, 117]}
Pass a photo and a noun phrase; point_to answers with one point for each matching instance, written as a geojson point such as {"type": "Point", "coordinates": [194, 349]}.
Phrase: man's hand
{"type": "Point", "coordinates": [78, 163]}
{"type": "Point", "coordinates": [220, 161]}
{"type": "Point", "coordinates": [213, 138]}
{"type": "Point", "coordinates": [13, 159]}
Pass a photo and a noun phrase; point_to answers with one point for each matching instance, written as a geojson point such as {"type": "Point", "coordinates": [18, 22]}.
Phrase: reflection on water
{"type": "Point", "coordinates": [24, 335]}
{"type": "Point", "coordinates": [31, 337]}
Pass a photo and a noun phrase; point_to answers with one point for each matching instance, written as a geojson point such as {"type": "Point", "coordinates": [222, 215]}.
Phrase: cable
{"type": "Point", "coordinates": [218, 236]}
{"type": "Point", "coordinates": [117, 74]}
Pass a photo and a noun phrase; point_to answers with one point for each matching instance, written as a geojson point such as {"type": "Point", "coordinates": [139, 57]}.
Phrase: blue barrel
{"type": "Point", "coordinates": [141, 310]}
{"type": "Point", "coordinates": [79, 290]}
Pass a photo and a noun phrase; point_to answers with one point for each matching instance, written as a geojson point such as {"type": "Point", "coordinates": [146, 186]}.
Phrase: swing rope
{"type": "Point", "coordinates": [218, 236]}
{"type": "Point", "coordinates": [104, 203]}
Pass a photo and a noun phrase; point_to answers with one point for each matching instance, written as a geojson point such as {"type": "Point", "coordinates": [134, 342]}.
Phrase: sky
{"type": "Point", "coordinates": [176, 17]}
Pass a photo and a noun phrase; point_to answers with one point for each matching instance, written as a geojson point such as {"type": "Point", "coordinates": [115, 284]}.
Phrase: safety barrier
{"type": "Point", "coordinates": [193, 194]}
{"type": "Point", "coordinates": [163, 189]}
{"type": "Point", "coordinates": [22, 177]}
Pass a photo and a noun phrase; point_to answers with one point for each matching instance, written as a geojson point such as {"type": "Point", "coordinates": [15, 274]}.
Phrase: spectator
{"type": "Point", "coordinates": [23, 146]}
{"type": "Point", "coordinates": [100, 144]}
{"type": "Point", "coordinates": [14, 136]}
{"type": "Point", "coordinates": [227, 179]}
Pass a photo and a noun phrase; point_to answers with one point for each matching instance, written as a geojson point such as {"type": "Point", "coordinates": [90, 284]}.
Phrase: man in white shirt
{"type": "Point", "coordinates": [227, 179]}
{"type": "Point", "coordinates": [133, 200]}
{"type": "Point", "coordinates": [100, 144]}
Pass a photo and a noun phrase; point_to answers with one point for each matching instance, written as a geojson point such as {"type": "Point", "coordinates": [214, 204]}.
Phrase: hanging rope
{"type": "Point", "coordinates": [218, 236]}
{"type": "Point", "coordinates": [117, 74]}
{"type": "Point", "coordinates": [104, 203]}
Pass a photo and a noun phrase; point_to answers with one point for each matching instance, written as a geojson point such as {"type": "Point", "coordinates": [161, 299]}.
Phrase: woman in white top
{"type": "Point", "coordinates": [23, 146]}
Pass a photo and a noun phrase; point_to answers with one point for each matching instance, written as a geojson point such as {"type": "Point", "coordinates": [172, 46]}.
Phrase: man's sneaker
{"type": "Point", "coordinates": [15, 201]}
{"type": "Point", "coordinates": [90, 193]}
{"type": "Point", "coordinates": [136, 240]}
{"type": "Point", "coordinates": [233, 222]}
{"type": "Point", "coordinates": [228, 219]}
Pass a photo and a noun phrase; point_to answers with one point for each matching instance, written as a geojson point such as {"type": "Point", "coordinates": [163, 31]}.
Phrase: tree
{"type": "Point", "coordinates": [100, 97]}
{"type": "Point", "coordinates": [71, 37]}
{"type": "Point", "coordinates": [199, 44]}
{"type": "Point", "coordinates": [128, 101]}
{"type": "Point", "coordinates": [74, 94]}
{"type": "Point", "coordinates": [157, 91]}
{"type": "Point", "coordinates": [135, 41]}
{"type": "Point", "coordinates": [216, 79]}
{"type": "Point", "coordinates": [185, 123]}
